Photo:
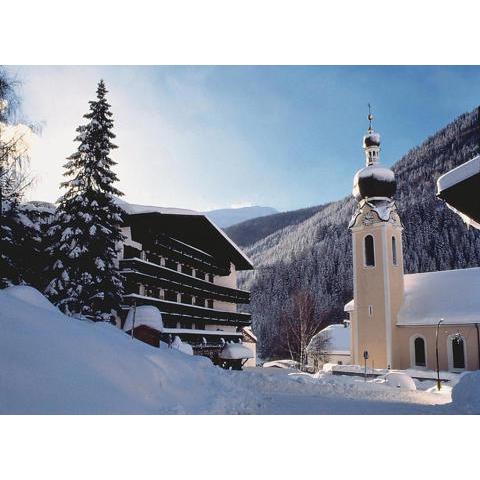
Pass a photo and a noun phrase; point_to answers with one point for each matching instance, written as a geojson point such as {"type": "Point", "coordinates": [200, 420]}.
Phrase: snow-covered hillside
{"type": "Point", "coordinates": [54, 364]}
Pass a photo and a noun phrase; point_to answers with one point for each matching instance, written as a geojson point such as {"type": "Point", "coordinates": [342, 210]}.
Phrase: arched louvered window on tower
{"type": "Point", "coordinates": [394, 250]}
{"type": "Point", "coordinates": [369, 251]}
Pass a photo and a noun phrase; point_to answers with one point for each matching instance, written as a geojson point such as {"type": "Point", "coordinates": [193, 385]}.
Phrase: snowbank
{"type": "Point", "coordinates": [400, 380]}
{"type": "Point", "coordinates": [30, 296]}
{"type": "Point", "coordinates": [466, 393]}
{"type": "Point", "coordinates": [54, 364]}
{"type": "Point", "coordinates": [235, 351]}
{"type": "Point", "coordinates": [147, 315]}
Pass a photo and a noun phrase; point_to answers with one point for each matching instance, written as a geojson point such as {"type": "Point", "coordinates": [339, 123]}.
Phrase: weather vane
{"type": "Point", "coordinates": [370, 118]}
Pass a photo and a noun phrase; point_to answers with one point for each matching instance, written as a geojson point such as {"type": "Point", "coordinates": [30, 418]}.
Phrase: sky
{"type": "Point", "coordinates": [206, 137]}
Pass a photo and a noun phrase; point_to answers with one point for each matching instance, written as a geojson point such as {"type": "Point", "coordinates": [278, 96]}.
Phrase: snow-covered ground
{"type": "Point", "coordinates": [55, 364]}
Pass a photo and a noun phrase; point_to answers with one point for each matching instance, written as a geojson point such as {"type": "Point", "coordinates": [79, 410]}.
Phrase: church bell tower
{"type": "Point", "coordinates": [377, 259]}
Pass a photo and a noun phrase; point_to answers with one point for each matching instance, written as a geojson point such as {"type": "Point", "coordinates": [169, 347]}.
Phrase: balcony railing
{"type": "Point", "coordinates": [150, 273]}
{"type": "Point", "coordinates": [175, 311]}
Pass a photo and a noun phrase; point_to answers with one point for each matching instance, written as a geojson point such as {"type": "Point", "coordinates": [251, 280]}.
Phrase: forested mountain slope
{"type": "Point", "coordinates": [250, 231]}
{"type": "Point", "coordinates": [315, 254]}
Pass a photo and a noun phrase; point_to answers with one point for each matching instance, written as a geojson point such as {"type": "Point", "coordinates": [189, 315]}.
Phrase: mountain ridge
{"type": "Point", "coordinates": [225, 217]}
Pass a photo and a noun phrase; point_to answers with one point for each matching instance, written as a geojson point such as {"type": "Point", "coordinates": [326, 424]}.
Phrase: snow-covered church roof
{"type": "Point", "coordinates": [453, 295]}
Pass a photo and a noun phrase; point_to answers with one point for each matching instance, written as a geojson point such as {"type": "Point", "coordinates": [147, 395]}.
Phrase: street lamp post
{"type": "Point", "coordinates": [436, 353]}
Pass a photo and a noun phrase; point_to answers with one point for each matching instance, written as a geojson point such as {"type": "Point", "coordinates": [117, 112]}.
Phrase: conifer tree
{"type": "Point", "coordinates": [86, 231]}
{"type": "Point", "coordinates": [17, 237]}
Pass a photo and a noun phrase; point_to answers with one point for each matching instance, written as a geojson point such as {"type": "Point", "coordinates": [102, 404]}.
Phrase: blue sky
{"type": "Point", "coordinates": [215, 137]}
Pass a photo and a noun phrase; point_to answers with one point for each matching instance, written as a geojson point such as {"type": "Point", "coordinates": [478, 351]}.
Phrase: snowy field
{"type": "Point", "coordinates": [53, 364]}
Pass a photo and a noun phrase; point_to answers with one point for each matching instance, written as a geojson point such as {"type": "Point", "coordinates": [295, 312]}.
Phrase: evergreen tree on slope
{"type": "Point", "coordinates": [85, 234]}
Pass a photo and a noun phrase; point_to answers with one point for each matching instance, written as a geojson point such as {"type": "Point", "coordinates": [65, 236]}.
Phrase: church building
{"type": "Point", "coordinates": [401, 320]}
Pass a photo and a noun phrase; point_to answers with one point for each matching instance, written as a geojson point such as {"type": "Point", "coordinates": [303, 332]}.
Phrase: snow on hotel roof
{"type": "Point", "coordinates": [132, 209]}
{"type": "Point", "coordinates": [453, 295]}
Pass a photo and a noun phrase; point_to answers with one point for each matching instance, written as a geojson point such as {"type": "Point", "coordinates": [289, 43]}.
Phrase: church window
{"type": "Point", "coordinates": [420, 357]}
{"type": "Point", "coordinates": [369, 251]}
{"type": "Point", "coordinates": [394, 250]}
{"type": "Point", "coordinates": [458, 353]}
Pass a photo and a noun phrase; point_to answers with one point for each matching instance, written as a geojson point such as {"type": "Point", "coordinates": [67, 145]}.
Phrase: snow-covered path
{"type": "Point", "coordinates": [286, 393]}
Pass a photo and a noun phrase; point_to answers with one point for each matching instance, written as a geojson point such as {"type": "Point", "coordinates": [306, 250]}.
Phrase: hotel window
{"type": "Point", "coordinates": [170, 295]}
{"type": "Point", "coordinates": [210, 277]}
{"type": "Point", "coordinates": [394, 250]}
{"type": "Point", "coordinates": [185, 298]}
{"type": "Point", "coordinates": [170, 264]}
{"type": "Point", "coordinates": [200, 274]}
{"type": "Point", "coordinates": [150, 292]}
{"type": "Point", "coordinates": [187, 270]}
{"type": "Point", "coordinates": [210, 303]}
{"type": "Point", "coordinates": [369, 251]}
{"type": "Point", "coordinates": [199, 301]}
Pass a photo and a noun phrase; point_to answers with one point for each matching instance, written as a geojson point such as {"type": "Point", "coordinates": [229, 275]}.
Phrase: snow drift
{"type": "Point", "coordinates": [54, 364]}
{"type": "Point", "coordinates": [466, 393]}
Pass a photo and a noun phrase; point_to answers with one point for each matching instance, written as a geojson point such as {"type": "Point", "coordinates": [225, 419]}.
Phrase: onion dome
{"type": "Point", "coordinates": [374, 181]}
{"type": "Point", "coordinates": [371, 139]}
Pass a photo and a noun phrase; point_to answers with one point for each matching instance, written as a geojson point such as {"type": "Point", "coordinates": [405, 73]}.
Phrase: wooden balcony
{"type": "Point", "coordinates": [149, 273]}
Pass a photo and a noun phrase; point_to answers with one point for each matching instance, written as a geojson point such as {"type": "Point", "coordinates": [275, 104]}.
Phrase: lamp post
{"type": "Point", "coordinates": [133, 319]}
{"type": "Point", "coordinates": [436, 353]}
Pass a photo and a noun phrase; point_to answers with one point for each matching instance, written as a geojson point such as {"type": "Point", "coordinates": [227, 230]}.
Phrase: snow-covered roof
{"type": "Point", "coordinates": [459, 189]}
{"type": "Point", "coordinates": [249, 332]}
{"type": "Point", "coordinates": [459, 174]}
{"type": "Point", "coordinates": [147, 315]}
{"type": "Point", "coordinates": [350, 306]}
{"type": "Point", "coordinates": [281, 364]}
{"type": "Point", "coordinates": [133, 209]}
{"type": "Point", "coordinates": [338, 336]}
{"type": "Point", "coordinates": [453, 295]}
{"type": "Point", "coordinates": [235, 351]}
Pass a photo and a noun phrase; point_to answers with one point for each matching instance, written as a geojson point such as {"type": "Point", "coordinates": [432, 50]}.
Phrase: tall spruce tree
{"type": "Point", "coordinates": [86, 231]}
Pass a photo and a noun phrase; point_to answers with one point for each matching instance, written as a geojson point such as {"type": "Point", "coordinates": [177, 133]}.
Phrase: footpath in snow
{"type": "Point", "coordinates": [54, 364]}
